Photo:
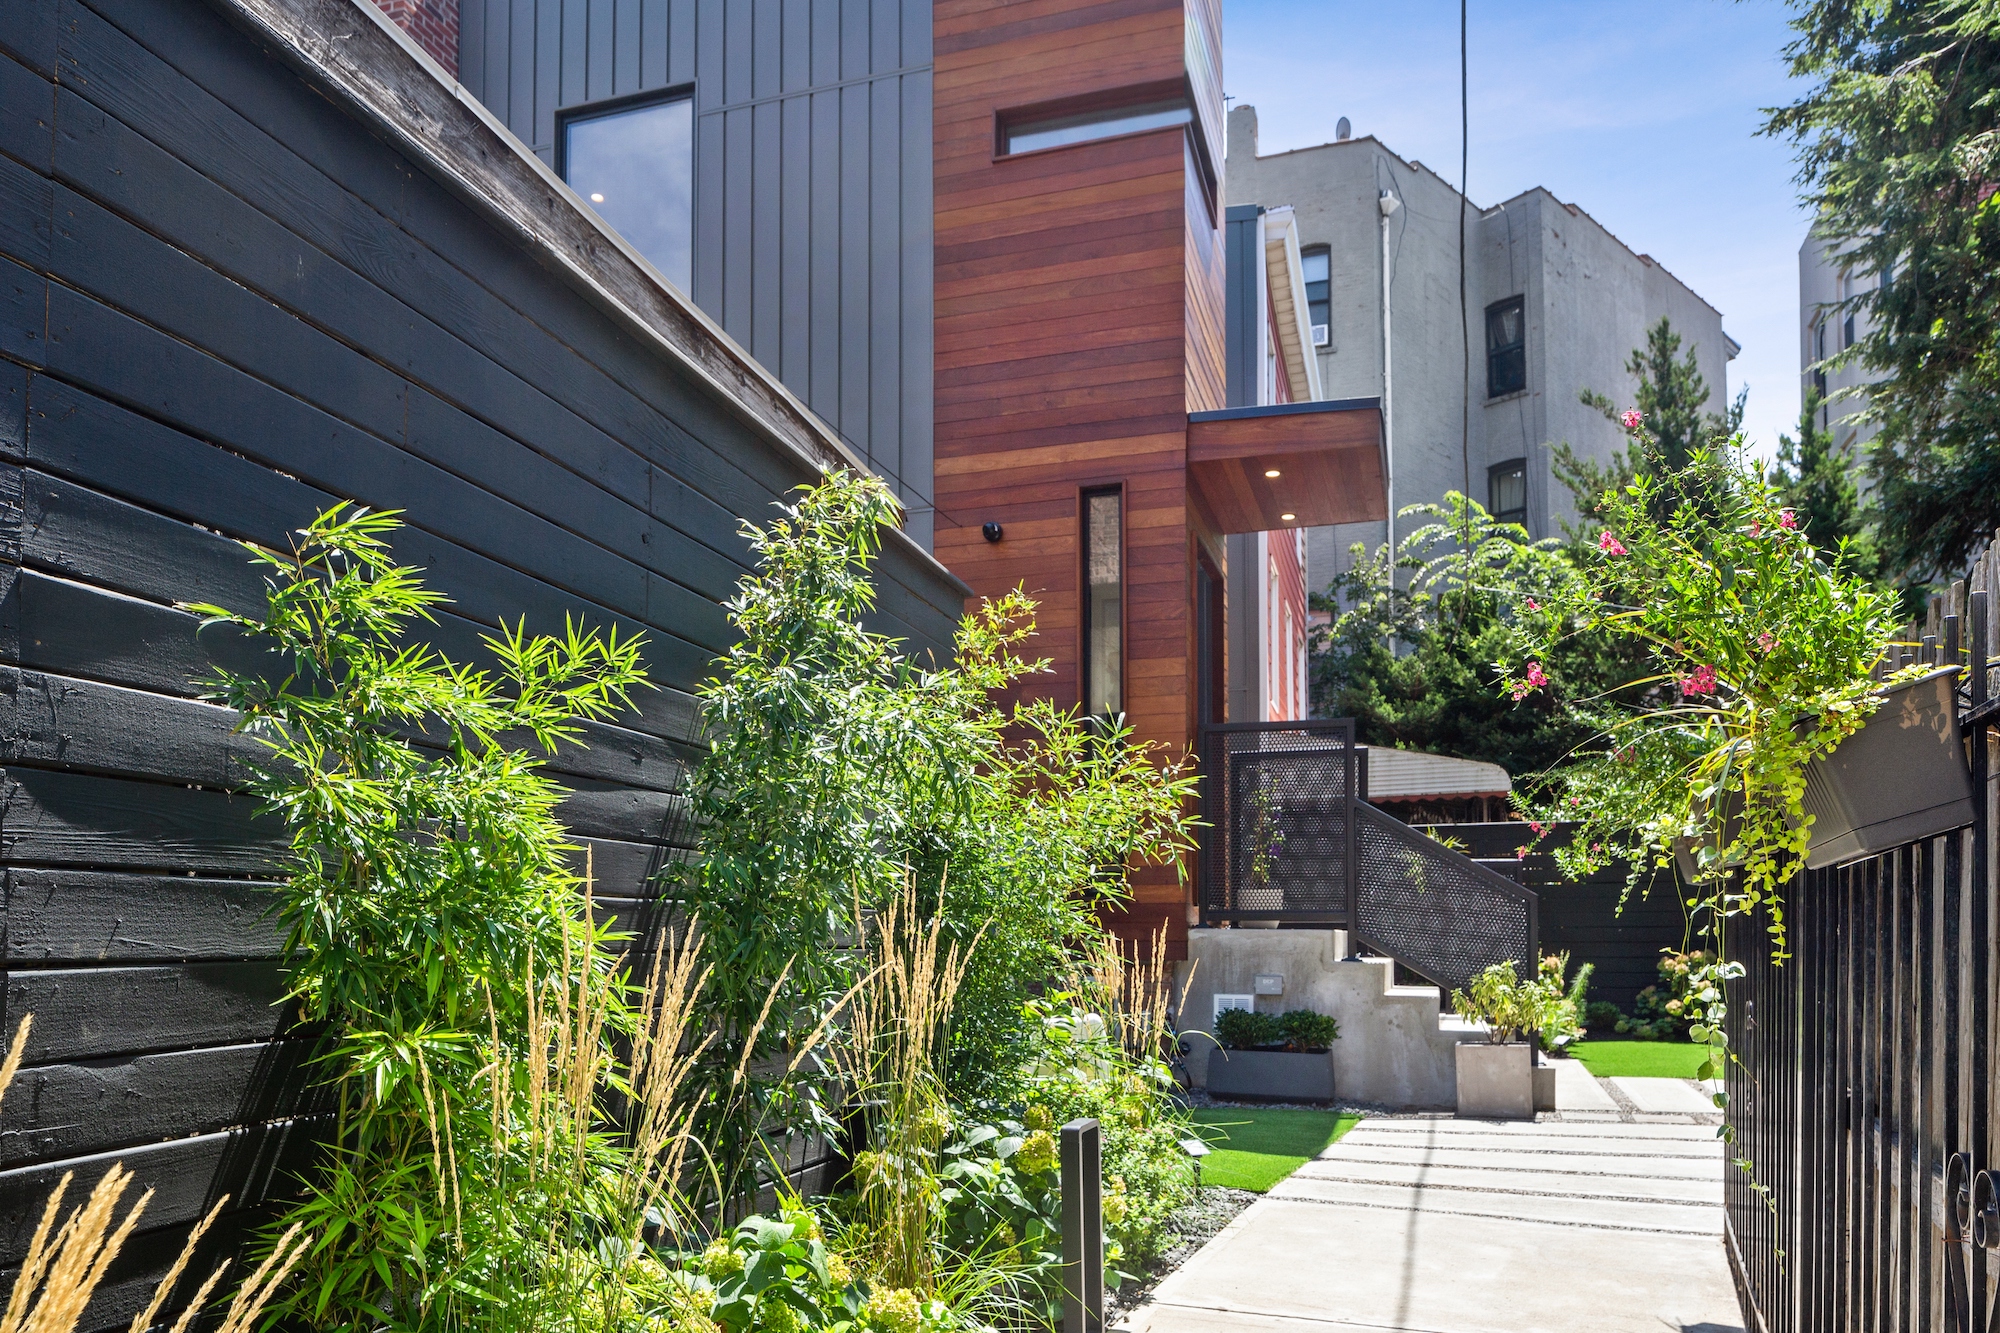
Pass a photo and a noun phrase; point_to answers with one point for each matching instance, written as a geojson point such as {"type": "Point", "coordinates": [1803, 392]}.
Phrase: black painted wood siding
{"type": "Point", "coordinates": [225, 305]}
{"type": "Point", "coordinates": [812, 242]}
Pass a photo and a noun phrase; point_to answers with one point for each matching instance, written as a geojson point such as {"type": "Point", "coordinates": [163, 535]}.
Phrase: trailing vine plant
{"type": "Point", "coordinates": [1762, 658]}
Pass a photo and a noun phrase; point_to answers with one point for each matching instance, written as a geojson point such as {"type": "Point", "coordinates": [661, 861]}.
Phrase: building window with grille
{"type": "Point", "coordinates": [1316, 266]}
{"type": "Point", "coordinates": [1507, 492]}
{"type": "Point", "coordinates": [1103, 666]}
{"type": "Point", "coordinates": [632, 161]}
{"type": "Point", "coordinates": [1506, 347]}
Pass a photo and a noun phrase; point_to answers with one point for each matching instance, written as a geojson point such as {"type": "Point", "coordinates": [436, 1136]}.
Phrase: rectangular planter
{"type": "Point", "coordinates": [1496, 1080]}
{"type": "Point", "coordinates": [1272, 1076]}
{"type": "Point", "coordinates": [1545, 1083]}
{"type": "Point", "coordinates": [1900, 778]}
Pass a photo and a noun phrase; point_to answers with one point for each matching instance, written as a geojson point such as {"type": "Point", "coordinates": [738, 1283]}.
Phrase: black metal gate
{"type": "Point", "coordinates": [1291, 838]}
{"type": "Point", "coordinates": [1862, 1093]}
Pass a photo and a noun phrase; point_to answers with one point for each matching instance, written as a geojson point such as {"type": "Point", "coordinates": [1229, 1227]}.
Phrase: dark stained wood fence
{"type": "Point", "coordinates": [226, 302]}
{"type": "Point", "coordinates": [1594, 920]}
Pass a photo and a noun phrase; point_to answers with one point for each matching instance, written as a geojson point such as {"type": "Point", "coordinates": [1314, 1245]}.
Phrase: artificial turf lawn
{"type": "Point", "coordinates": [1641, 1059]}
{"type": "Point", "coordinates": [1254, 1149]}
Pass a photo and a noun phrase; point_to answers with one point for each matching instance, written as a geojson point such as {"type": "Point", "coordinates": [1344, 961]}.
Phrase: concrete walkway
{"type": "Point", "coordinates": [1602, 1218]}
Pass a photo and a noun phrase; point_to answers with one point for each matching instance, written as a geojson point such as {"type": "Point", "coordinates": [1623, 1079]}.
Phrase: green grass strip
{"type": "Point", "coordinates": [1255, 1149]}
{"type": "Point", "coordinates": [1641, 1059]}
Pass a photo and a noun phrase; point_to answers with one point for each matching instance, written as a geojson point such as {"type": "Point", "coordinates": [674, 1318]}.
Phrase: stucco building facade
{"type": "Point", "coordinates": [1480, 388]}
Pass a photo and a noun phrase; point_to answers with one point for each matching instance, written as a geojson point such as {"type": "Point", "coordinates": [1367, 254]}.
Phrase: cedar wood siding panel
{"type": "Point", "coordinates": [812, 180]}
{"type": "Point", "coordinates": [224, 306]}
{"type": "Point", "coordinates": [1073, 304]}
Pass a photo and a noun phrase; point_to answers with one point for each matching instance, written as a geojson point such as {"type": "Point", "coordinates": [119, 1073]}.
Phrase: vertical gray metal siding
{"type": "Point", "coordinates": [812, 238]}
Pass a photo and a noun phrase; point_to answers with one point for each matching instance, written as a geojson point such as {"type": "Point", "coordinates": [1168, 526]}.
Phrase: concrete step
{"type": "Point", "coordinates": [1676, 1166]}
{"type": "Point", "coordinates": [1684, 1217]}
{"type": "Point", "coordinates": [1439, 1129]}
{"type": "Point", "coordinates": [1639, 1185]}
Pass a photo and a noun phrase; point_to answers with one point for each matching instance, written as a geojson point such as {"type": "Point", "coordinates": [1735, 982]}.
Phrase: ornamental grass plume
{"type": "Point", "coordinates": [66, 1263]}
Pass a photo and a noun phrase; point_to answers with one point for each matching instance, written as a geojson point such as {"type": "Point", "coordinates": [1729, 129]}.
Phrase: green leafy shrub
{"type": "Point", "coordinates": [1246, 1029]}
{"type": "Point", "coordinates": [1603, 1016]}
{"type": "Point", "coordinates": [1307, 1030]}
{"type": "Point", "coordinates": [1544, 1007]}
{"type": "Point", "coordinates": [1665, 1010]}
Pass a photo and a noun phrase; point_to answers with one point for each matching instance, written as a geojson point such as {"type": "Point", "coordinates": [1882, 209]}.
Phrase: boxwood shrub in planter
{"type": "Point", "coordinates": [1273, 1057]}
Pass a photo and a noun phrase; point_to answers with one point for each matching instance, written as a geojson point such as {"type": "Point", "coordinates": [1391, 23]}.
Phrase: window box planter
{"type": "Point", "coordinates": [1902, 777]}
{"type": "Point", "coordinates": [1496, 1080]}
{"type": "Point", "coordinates": [1271, 1076]}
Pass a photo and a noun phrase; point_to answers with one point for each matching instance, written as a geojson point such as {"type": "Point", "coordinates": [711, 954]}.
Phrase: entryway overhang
{"type": "Point", "coordinates": [1292, 465]}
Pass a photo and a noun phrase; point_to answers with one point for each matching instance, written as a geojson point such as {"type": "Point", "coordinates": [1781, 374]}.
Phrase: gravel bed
{"type": "Point", "coordinates": [1195, 1222]}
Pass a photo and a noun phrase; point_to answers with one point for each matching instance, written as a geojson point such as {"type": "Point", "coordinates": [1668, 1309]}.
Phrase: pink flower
{"type": "Point", "coordinates": [1596, 846]}
{"type": "Point", "coordinates": [1536, 826]}
{"type": "Point", "coordinates": [1631, 418]}
{"type": "Point", "coordinates": [1756, 528]}
{"type": "Point", "coordinates": [1533, 605]}
{"type": "Point", "coordinates": [1699, 683]}
{"type": "Point", "coordinates": [1521, 855]}
{"type": "Point", "coordinates": [1766, 641]}
{"type": "Point", "coordinates": [1535, 676]}
{"type": "Point", "coordinates": [1788, 520]}
{"type": "Point", "coordinates": [1609, 544]}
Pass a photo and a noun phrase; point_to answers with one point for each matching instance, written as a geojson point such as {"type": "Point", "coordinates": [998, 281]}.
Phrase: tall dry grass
{"type": "Point", "coordinates": [1134, 989]}
{"type": "Point", "coordinates": [890, 1058]}
{"type": "Point", "coordinates": [66, 1263]}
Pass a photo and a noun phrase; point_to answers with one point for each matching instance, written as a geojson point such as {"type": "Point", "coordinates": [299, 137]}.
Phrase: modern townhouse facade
{"type": "Point", "coordinates": [1553, 304]}
{"type": "Point", "coordinates": [984, 243]}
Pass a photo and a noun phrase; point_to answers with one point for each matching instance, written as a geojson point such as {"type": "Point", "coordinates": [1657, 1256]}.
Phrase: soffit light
{"type": "Point", "coordinates": [1270, 472]}
{"type": "Point", "coordinates": [1288, 517]}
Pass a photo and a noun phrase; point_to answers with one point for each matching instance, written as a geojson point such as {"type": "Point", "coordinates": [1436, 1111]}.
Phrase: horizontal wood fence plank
{"type": "Point", "coordinates": [77, 916]}
{"type": "Point", "coordinates": [52, 818]}
{"type": "Point", "coordinates": [187, 1177]}
{"type": "Point", "coordinates": [75, 1110]}
{"type": "Point", "coordinates": [93, 1013]}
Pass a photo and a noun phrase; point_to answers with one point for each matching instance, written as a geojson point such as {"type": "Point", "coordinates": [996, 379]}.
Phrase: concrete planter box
{"type": "Point", "coordinates": [1545, 1083]}
{"type": "Point", "coordinates": [1900, 778]}
{"type": "Point", "coordinates": [1496, 1080]}
{"type": "Point", "coordinates": [1271, 1076]}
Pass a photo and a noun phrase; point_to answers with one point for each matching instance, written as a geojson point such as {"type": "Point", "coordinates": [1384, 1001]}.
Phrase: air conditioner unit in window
{"type": "Point", "coordinates": [1321, 335]}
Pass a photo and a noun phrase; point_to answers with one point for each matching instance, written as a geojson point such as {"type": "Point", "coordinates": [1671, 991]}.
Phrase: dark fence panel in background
{"type": "Point", "coordinates": [226, 304]}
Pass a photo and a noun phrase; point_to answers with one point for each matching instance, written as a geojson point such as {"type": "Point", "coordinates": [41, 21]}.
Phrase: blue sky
{"type": "Point", "coordinates": [1642, 114]}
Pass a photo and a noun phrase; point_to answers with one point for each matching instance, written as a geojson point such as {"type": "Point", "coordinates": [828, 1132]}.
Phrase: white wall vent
{"type": "Point", "coordinates": [1223, 1002]}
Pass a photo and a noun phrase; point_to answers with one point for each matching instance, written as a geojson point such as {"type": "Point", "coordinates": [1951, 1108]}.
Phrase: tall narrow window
{"type": "Point", "coordinates": [634, 164]}
{"type": "Point", "coordinates": [1507, 492]}
{"type": "Point", "coordinates": [1103, 602]}
{"type": "Point", "coordinates": [1506, 348]}
{"type": "Point", "coordinates": [1316, 266]}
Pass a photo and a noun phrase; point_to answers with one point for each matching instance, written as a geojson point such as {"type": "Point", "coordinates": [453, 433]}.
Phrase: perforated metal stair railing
{"type": "Point", "coordinates": [1434, 911]}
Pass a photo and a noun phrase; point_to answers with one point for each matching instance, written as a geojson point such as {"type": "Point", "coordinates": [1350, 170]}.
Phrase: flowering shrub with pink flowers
{"type": "Point", "coordinates": [1761, 654]}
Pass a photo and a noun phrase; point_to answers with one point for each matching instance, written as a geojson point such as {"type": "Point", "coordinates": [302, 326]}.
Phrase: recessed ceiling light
{"type": "Point", "coordinates": [1270, 472]}
{"type": "Point", "coordinates": [1288, 517]}
{"type": "Point", "coordinates": [597, 199]}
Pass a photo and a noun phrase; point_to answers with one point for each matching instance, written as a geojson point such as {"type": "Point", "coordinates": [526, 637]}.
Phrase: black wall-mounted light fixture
{"type": "Point", "coordinates": [993, 532]}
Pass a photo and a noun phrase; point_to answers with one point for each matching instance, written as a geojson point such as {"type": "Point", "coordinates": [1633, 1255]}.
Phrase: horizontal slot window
{"type": "Point", "coordinates": [1029, 133]}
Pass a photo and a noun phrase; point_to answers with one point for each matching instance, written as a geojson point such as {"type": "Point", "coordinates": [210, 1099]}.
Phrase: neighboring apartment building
{"type": "Point", "coordinates": [1826, 281]}
{"type": "Point", "coordinates": [984, 242]}
{"type": "Point", "coordinates": [1554, 304]}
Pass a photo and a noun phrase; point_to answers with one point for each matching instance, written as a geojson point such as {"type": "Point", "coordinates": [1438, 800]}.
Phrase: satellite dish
{"type": "Point", "coordinates": [1343, 130]}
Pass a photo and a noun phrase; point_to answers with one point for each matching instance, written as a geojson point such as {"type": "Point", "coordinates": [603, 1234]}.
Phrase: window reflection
{"type": "Point", "coordinates": [635, 167]}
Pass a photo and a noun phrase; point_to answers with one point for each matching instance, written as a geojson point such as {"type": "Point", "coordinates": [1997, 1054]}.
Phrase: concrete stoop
{"type": "Point", "coordinates": [1397, 1046]}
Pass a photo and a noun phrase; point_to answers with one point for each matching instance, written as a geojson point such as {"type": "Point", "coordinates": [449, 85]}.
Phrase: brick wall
{"type": "Point", "coordinates": [434, 25]}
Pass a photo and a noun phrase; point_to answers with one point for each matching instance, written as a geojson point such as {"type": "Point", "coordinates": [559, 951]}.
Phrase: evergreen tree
{"type": "Point", "coordinates": [1672, 397]}
{"type": "Point", "coordinates": [1898, 142]}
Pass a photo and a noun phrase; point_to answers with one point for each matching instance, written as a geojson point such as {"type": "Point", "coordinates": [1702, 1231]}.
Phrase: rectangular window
{"type": "Point", "coordinates": [1031, 131]}
{"type": "Point", "coordinates": [1847, 331]}
{"type": "Point", "coordinates": [633, 162]}
{"type": "Point", "coordinates": [1506, 348]}
{"type": "Point", "coordinates": [1507, 491]}
{"type": "Point", "coordinates": [1317, 266]}
{"type": "Point", "coordinates": [1103, 602]}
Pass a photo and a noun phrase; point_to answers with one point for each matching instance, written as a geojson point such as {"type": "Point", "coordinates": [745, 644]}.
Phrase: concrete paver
{"type": "Point", "coordinates": [1449, 1226]}
{"type": "Point", "coordinates": [1665, 1095]}
{"type": "Point", "coordinates": [1576, 1090]}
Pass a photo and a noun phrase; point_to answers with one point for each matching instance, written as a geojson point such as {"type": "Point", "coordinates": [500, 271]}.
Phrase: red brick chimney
{"type": "Point", "coordinates": [432, 23]}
